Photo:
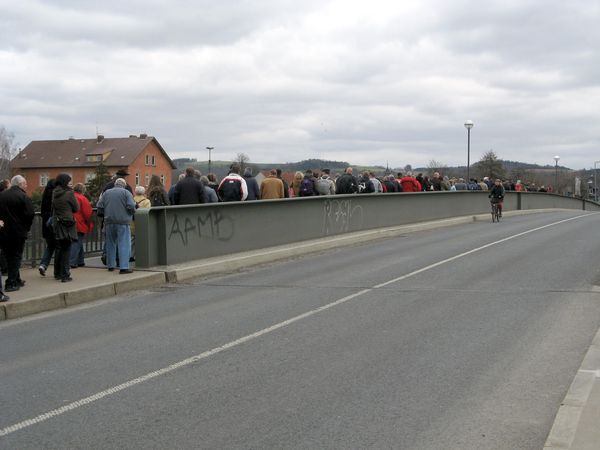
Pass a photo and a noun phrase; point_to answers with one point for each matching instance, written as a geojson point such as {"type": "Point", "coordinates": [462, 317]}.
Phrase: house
{"type": "Point", "coordinates": [140, 156]}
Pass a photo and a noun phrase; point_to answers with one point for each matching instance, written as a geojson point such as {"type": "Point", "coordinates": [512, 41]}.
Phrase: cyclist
{"type": "Point", "coordinates": [497, 195]}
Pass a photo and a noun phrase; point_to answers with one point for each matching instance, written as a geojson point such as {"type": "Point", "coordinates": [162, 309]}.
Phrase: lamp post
{"type": "Point", "coordinates": [595, 185]}
{"type": "Point", "coordinates": [210, 149]}
{"type": "Point", "coordinates": [556, 159]}
{"type": "Point", "coordinates": [468, 126]}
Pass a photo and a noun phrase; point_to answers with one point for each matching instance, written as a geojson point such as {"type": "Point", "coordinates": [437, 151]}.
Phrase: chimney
{"type": "Point", "coordinates": [143, 136]}
{"type": "Point", "coordinates": [99, 139]}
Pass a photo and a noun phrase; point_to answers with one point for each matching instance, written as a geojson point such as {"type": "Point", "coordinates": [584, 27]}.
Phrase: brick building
{"type": "Point", "coordinates": [141, 156]}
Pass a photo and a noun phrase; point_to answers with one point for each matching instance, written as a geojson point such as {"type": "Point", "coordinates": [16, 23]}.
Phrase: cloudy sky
{"type": "Point", "coordinates": [369, 82]}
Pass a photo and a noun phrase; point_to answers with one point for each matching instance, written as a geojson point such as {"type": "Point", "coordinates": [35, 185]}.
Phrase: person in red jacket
{"type": "Point", "coordinates": [410, 183]}
{"type": "Point", "coordinates": [83, 220]}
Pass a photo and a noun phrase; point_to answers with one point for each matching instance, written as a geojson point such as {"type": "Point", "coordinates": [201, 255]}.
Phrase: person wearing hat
{"type": "Point", "coordinates": [121, 173]}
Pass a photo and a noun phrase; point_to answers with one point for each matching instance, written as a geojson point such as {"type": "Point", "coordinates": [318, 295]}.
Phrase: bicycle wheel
{"type": "Point", "coordinates": [494, 212]}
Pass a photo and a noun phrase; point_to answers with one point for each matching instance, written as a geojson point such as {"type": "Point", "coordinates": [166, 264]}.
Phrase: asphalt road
{"type": "Point", "coordinates": [434, 340]}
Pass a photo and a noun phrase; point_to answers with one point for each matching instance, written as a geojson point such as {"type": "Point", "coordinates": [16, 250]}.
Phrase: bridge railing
{"type": "Point", "coordinates": [35, 243]}
{"type": "Point", "coordinates": [177, 234]}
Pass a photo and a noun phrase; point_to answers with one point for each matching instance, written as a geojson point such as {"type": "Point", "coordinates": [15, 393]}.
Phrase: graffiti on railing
{"type": "Point", "coordinates": [340, 216]}
{"type": "Point", "coordinates": [213, 225]}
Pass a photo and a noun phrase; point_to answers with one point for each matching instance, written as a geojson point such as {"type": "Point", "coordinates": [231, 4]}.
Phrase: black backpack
{"type": "Point", "coordinates": [157, 199]}
{"type": "Point", "coordinates": [306, 188]}
{"type": "Point", "coordinates": [231, 190]}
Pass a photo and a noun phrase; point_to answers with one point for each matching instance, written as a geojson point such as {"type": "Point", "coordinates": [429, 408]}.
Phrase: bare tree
{"type": "Point", "coordinates": [7, 152]}
{"type": "Point", "coordinates": [436, 166]}
{"type": "Point", "coordinates": [242, 159]}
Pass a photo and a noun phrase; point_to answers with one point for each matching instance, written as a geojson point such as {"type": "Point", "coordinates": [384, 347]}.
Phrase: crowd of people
{"type": "Point", "coordinates": [66, 212]}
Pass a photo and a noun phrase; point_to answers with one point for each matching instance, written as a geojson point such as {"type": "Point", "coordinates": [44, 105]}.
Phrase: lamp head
{"type": "Point", "coordinates": [557, 158]}
{"type": "Point", "coordinates": [468, 124]}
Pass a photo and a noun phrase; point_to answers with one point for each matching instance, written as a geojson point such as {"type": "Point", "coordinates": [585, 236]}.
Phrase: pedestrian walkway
{"type": "Point", "coordinates": [89, 283]}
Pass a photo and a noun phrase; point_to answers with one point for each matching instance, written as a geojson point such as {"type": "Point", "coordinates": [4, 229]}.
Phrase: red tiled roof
{"type": "Point", "coordinates": [74, 152]}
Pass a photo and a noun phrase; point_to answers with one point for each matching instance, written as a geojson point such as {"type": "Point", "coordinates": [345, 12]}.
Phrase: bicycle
{"type": "Point", "coordinates": [495, 210]}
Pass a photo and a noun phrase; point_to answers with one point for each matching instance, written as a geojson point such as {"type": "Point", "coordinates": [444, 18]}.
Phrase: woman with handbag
{"type": "Point", "coordinates": [64, 204]}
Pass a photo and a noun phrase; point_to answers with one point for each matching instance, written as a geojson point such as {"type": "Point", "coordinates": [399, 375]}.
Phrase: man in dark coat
{"type": "Point", "coordinates": [189, 190]}
{"type": "Point", "coordinates": [16, 211]}
{"type": "Point", "coordinates": [252, 184]}
{"type": "Point", "coordinates": [346, 183]}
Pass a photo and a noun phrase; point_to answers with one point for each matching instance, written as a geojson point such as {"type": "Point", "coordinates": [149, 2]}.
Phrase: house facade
{"type": "Point", "coordinates": [140, 156]}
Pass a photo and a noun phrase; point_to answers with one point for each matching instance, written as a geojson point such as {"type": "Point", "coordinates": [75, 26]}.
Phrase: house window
{"type": "Point", "coordinates": [137, 178]}
{"type": "Point", "coordinates": [150, 160]}
{"type": "Point", "coordinates": [163, 179]}
{"type": "Point", "coordinates": [153, 159]}
{"type": "Point", "coordinates": [147, 179]}
{"type": "Point", "coordinates": [43, 179]}
{"type": "Point", "coordinates": [93, 158]}
{"type": "Point", "coordinates": [89, 176]}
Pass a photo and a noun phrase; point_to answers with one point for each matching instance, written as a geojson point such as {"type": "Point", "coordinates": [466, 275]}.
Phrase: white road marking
{"type": "Point", "coordinates": [186, 362]}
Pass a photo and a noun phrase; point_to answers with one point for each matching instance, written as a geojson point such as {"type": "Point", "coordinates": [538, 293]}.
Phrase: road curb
{"type": "Point", "coordinates": [35, 305]}
{"type": "Point", "coordinates": [14, 310]}
{"type": "Point", "coordinates": [568, 423]}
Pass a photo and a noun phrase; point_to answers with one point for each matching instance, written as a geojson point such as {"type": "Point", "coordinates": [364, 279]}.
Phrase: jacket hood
{"type": "Point", "coordinates": [59, 191]}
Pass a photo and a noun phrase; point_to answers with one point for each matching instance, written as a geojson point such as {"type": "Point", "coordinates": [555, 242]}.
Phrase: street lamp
{"type": "Point", "coordinates": [468, 126]}
{"type": "Point", "coordinates": [210, 149]}
{"type": "Point", "coordinates": [595, 185]}
{"type": "Point", "coordinates": [556, 159]}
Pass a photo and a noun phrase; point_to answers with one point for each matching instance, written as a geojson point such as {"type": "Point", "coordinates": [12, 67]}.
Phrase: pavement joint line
{"type": "Point", "coordinates": [188, 361]}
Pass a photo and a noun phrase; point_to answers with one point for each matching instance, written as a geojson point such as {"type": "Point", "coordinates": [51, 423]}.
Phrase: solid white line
{"type": "Point", "coordinates": [478, 249]}
{"type": "Point", "coordinates": [186, 362]}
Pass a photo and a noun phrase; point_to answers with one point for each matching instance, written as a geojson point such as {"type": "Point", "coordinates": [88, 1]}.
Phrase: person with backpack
{"type": "Point", "coordinates": [346, 183]}
{"type": "Point", "coordinates": [156, 192]}
{"type": "Point", "coordinates": [324, 184]}
{"type": "Point", "coordinates": [307, 186]}
{"type": "Point", "coordinates": [272, 187]}
{"type": "Point", "coordinates": [365, 185]}
{"type": "Point", "coordinates": [233, 187]}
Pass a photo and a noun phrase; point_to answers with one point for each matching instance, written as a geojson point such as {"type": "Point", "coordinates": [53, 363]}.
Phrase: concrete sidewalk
{"type": "Point", "coordinates": [89, 283]}
{"type": "Point", "coordinates": [577, 424]}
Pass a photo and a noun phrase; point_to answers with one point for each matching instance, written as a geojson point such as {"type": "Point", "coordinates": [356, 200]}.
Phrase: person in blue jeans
{"type": "Point", "coordinates": [83, 220]}
{"type": "Point", "coordinates": [117, 207]}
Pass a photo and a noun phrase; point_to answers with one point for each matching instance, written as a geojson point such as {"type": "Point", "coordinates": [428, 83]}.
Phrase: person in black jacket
{"type": "Point", "coordinates": [346, 183]}
{"type": "Point", "coordinates": [189, 190]}
{"type": "Point", "coordinates": [47, 230]}
{"type": "Point", "coordinates": [16, 212]}
{"type": "Point", "coordinates": [64, 204]}
{"type": "Point", "coordinates": [252, 184]}
{"type": "Point", "coordinates": [496, 195]}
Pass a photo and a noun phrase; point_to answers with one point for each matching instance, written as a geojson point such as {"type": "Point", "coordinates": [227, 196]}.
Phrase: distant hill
{"type": "Point", "coordinates": [514, 169]}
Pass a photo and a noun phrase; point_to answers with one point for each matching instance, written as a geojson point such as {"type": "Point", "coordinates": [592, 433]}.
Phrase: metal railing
{"type": "Point", "coordinates": [35, 243]}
